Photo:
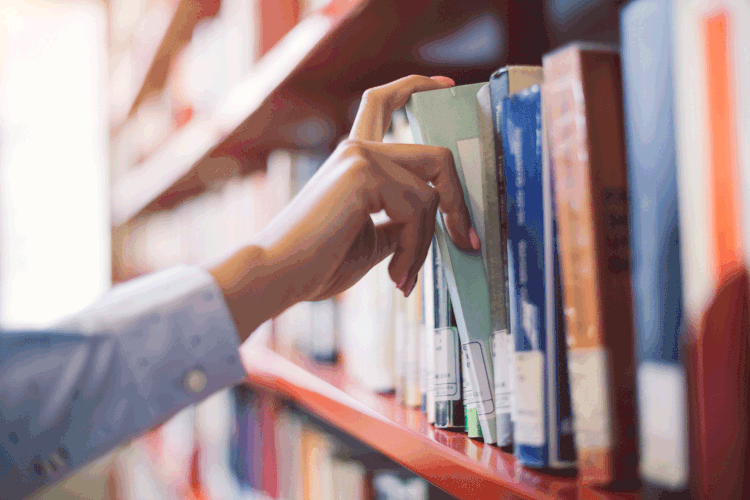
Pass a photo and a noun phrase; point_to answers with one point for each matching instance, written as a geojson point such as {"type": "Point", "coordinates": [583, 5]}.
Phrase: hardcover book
{"type": "Point", "coordinates": [648, 92]}
{"type": "Point", "coordinates": [712, 98]}
{"type": "Point", "coordinates": [583, 106]}
{"type": "Point", "coordinates": [448, 118]}
{"type": "Point", "coordinates": [543, 434]}
{"type": "Point", "coordinates": [503, 82]}
{"type": "Point", "coordinates": [449, 409]}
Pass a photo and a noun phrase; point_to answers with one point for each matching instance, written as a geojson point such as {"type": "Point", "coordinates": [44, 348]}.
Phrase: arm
{"type": "Point", "coordinates": [325, 240]}
{"type": "Point", "coordinates": [162, 342]}
{"type": "Point", "coordinates": [170, 339]}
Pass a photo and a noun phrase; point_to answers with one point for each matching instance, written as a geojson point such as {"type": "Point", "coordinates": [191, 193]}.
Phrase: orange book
{"type": "Point", "coordinates": [583, 103]}
{"type": "Point", "coordinates": [713, 86]}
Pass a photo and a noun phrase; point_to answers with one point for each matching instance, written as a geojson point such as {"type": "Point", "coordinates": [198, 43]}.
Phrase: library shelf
{"type": "Point", "coordinates": [303, 93]}
{"type": "Point", "coordinates": [462, 467]}
{"type": "Point", "coordinates": [162, 31]}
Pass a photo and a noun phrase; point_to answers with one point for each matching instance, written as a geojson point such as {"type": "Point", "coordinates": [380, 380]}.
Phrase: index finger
{"type": "Point", "coordinates": [379, 103]}
{"type": "Point", "coordinates": [435, 165]}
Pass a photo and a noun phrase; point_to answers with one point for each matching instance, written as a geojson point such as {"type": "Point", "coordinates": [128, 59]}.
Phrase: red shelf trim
{"type": "Point", "coordinates": [460, 466]}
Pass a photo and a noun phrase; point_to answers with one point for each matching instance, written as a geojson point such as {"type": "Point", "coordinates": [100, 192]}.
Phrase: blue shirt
{"type": "Point", "coordinates": [146, 350]}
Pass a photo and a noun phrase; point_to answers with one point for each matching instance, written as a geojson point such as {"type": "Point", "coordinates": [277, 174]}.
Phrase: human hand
{"type": "Point", "coordinates": [325, 240]}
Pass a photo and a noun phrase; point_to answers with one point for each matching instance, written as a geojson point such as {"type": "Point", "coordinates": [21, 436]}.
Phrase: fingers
{"type": "Point", "coordinates": [434, 165]}
{"type": "Point", "coordinates": [379, 103]}
{"type": "Point", "coordinates": [411, 204]}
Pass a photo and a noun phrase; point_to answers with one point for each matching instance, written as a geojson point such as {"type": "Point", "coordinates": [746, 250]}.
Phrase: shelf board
{"type": "Point", "coordinates": [463, 467]}
{"type": "Point", "coordinates": [318, 73]}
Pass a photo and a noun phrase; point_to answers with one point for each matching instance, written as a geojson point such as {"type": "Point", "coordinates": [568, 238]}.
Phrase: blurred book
{"type": "Point", "coordinates": [712, 81]}
{"type": "Point", "coordinates": [650, 120]}
{"type": "Point", "coordinates": [504, 82]}
{"type": "Point", "coordinates": [543, 427]}
{"type": "Point", "coordinates": [583, 107]}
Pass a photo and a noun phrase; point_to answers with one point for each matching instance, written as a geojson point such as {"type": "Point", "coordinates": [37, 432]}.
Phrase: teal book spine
{"type": "Point", "coordinates": [448, 118]}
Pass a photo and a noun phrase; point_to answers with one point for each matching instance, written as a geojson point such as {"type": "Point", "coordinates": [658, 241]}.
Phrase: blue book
{"type": "Point", "coordinates": [543, 433]}
{"type": "Point", "coordinates": [503, 82]}
{"type": "Point", "coordinates": [646, 27]}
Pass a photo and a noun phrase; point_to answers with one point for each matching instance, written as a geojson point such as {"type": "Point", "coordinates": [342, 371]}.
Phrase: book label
{"type": "Point", "coordinates": [661, 391]}
{"type": "Point", "coordinates": [447, 365]}
{"type": "Point", "coordinates": [589, 379]}
{"type": "Point", "coordinates": [530, 398]}
{"type": "Point", "coordinates": [502, 351]}
{"type": "Point", "coordinates": [477, 359]}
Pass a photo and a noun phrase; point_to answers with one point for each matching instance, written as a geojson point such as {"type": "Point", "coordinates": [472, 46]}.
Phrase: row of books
{"type": "Point", "coordinates": [596, 326]}
{"type": "Point", "coordinates": [608, 307]}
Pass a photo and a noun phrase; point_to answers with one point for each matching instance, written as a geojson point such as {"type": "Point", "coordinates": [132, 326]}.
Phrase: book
{"type": "Point", "coordinates": [486, 204]}
{"type": "Point", "coordinates": [712, 81]}
{"type": "Point", "coordinates": [428, 344]}
{"type": "Point", "coordinates": [542, 427]}
{"type": "Point", "coordinates": [503, 82]}
{"type": "Point", "coordinates": [472, 427]}
{"type": "Point", "coordinates": [448, 118]}
{"type": "Point", "coordinates": [414, 334]}
{"type": "Point", "coordinates": [661, 383]}
{"type": "Point", "coordinates": [583, 104]}
{"type": "Point", "coordinates": [449, 409]}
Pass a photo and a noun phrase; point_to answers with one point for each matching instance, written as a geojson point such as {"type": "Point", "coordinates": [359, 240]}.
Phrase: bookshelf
{"type": "Point", "coordinates": [462, 467]}
{"type": "Point", "coordinates": [315, 76]}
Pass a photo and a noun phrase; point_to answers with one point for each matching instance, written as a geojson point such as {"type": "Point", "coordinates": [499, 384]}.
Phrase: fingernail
{"type": "Point", "coordinates": [443, 79]}
{"type": "Point", "coordinates": [402, 281]}
{"type": "Point", "coordinates": [408, 291]}
{"type": "Point", "coordinates": [474, 237]}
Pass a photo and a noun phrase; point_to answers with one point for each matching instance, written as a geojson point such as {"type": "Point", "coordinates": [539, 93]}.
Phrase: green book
{"type": "Point", "coordinates": [448, 118]}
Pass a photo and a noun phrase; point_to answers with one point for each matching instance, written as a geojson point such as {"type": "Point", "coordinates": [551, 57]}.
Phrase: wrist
{"type": "Point", "coordinates": [252, 291]}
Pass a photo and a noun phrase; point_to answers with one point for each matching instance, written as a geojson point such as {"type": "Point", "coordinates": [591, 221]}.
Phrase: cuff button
{"type": "Point", "coordinates": [195, 381]}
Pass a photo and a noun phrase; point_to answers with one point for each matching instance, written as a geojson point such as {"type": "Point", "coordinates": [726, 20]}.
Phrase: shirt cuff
{"type": "Point", "coordinates": [176, 334]}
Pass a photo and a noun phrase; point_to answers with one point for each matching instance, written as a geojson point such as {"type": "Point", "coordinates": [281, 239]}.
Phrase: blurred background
{"type": "Point", "coordinates": [138, 134]}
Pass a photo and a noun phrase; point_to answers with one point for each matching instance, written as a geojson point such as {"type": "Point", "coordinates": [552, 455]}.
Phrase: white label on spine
{"type": "Point", "coordinates": [477, 358]}
{"type": "Point", "coordinates": [529, 378]}
{"type": "Point", "coordinates": [589, 380]}
{"type": "Point", "coordinates": [663, 424]}
{"type": "Point", "coordinates": [447, 365]}
{"type": "Point", "coordinates": [501, 351]}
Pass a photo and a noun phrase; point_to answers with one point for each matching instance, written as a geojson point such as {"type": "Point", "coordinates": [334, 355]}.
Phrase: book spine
{"type": "Point", "coordinates": [504, 343]}
{"type": "Point", "coordinates": [464, 269]}
{"type": "Point", "coordinates": [711, 82]}
{"type": "Point", "coordinates": [414, 335]}
{"type": "Point", "coordinates": [495, 259]}
{"type": "Point", "coordinates": [646, 31]}
{"type": "Point", "coordinates": [472, 426]}
{"type": "Point", "coordinates": [583, 100]}
{"type": "Point", "coordinates": [539, 423]}
{"type": "Point", "coordinates": [428, 344]}
{"type": "Point", "coordinates": [449, 409]}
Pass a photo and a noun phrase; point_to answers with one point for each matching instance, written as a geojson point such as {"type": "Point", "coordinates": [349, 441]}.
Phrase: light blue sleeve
{"type": "Point", "coordinates": [146, 350]}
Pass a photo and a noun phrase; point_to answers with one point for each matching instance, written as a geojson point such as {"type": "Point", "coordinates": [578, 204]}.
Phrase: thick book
{"type": "Point", "coordinates": [582, 99]}
{"type": "Point", "coordinates": [543, 434]}
{"type": "Point", "coordinates": [448, 118]}
{"type": "Point", "coordinates": [449, 409]}
{"type": "Point", "coordinates": [712, 92]}
{"type": "Point", "coordinates": [503, 82]}
{"type": "Point", "coordinates": [661, 383]}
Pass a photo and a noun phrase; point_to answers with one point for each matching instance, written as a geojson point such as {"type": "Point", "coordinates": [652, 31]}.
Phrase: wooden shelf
{"type": "Point", "coordinates": [461, 466]}
{"type": "Point", "coordinates": [318, 72]}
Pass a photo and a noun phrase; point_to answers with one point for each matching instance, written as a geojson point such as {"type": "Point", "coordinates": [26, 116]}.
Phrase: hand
{"type": "Point", "coordinates": [325, 240]}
